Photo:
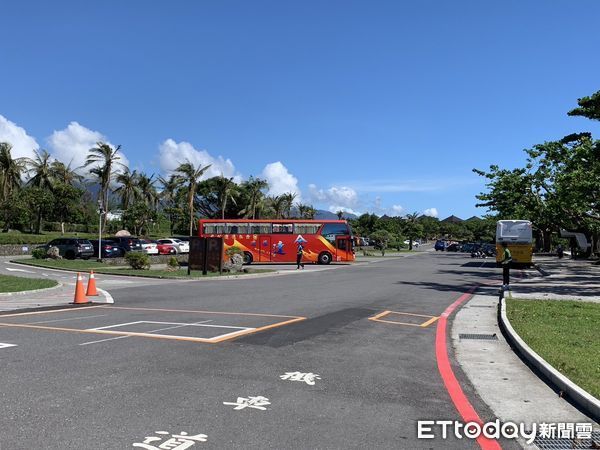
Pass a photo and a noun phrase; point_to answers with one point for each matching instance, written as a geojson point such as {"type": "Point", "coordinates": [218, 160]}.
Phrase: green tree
{"type": "Point", "coordinates": [105, 160]}
{"type": "Point", "coordinates": [288, 202]}
{"type": "Point", "coordinates": [11, 170]}
{"type": "Point", "coordinates": [412, 228]}
{"type": "Point", "coordinates": [138, 216]}
{"type": "Point", "coordinates": [252, 193]}
{"type": "Point", "coordinates": [226, 190]}
{"type": "Point", "coordinates": [128, 189]}
{"type": "Point", "coordinates": [382, 239]}
{"type": "Point", "coordinates": [64, 173]}
{"type": "Point", "coordinates": [588, 107]}
{"type": "Point", "coordinates": [190, 175]}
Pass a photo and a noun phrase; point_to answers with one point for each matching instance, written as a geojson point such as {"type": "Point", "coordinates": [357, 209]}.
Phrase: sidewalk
{"type": "Point", "coordinates": [504, 382]}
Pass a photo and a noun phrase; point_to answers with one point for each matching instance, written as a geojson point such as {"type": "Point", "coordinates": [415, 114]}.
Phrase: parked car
{"type": "Point", "coordinates": [454, 247]}
{"type": "Point", "coordinates": [469, 247]}
{"type": "Point", "coordinates": [110, 249]}
{"type": "Point", "coordinates": [440, 245]}
{"type": "Point", "coordinates": [128, 243]}
{"type": "Point", "coordinates": [165, 249]}
{"type": "Point", "coordinates": [71, 248]}
{"type": "Point", "coordinates": [180, 246]}
{"type": "Point", "coordinates": [489, 249]}
{"type": "Point", "coordinates": [415, 243]}
{"type": "Point", "coordinates": [149, 246]}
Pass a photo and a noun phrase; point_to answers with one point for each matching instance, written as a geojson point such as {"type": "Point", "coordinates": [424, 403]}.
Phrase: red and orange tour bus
{"type": "Point", "coordinates": [276, 241]}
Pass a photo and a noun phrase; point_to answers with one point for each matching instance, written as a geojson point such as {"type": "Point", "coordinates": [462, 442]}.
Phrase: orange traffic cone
{"type": "Point", "coordinates": [91, 287]}
{"type": "Point", "coordinates": [79, 295]}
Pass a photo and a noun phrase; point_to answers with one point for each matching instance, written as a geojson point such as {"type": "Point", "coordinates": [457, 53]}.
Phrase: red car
{"type": "Point", "coordinates": [165, 249]}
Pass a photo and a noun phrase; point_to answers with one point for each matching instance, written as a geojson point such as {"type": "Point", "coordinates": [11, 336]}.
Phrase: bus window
{"type": "Point", "coordinates": [214, 228]}
{"type": "Point", "coordinates": [283, 228]}
{"type": "Point", "coordinates": [237, 228]}
{"type": "Point", "coordinates": [260, 228]}
{"type": "Point", "coordinates": [306, 228]}
{"type": "Point", "coordinates": [331, 230]}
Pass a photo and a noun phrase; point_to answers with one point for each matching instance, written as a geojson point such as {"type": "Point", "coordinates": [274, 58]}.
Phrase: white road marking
{"type": "Point", "coordinates": [107, 296]}
{"type": "Point", "coordinates": [178, 325]}
{"type": "Point", "coordinates": [152, 331]}
{"type": "Point", "coordinates": [18, 270]}
{"type": "Point", "coordinates": [70, 318]}
{"type": "Point", "coordinates": [2, 345]}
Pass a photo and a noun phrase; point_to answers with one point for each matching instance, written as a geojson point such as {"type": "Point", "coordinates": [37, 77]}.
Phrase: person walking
{"type": "Point", "coordinates": [299, 253]}
{"type": "Point", "coordinates": [506, 262]}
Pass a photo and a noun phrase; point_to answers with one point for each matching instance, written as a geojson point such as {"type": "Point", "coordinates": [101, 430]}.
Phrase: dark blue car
{"type": "Point", "coordinates": [440, 245]}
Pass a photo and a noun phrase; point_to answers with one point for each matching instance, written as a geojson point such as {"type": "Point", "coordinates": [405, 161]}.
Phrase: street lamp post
{"type": "Point", "coordinates": [100, 212]}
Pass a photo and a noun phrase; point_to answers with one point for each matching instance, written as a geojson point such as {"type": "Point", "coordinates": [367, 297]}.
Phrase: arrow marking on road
{"type": "Point", "coordinates": [19, 270]}
{"type": "Point", "coordinates": [7, 345]}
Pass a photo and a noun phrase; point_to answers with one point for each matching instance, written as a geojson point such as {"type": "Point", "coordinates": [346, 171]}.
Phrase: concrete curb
{"type": "Point", "coordinates": [32, 291]}
{"type": "Point", "coordinates": [582, 399]}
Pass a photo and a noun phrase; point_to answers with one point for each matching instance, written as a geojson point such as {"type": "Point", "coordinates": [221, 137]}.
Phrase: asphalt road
{"type": "Point", "coordinates": [226, 358]}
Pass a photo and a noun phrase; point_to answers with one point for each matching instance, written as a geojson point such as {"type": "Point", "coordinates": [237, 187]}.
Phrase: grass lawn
{"type": "Point", "coordinates": [179, 274]}
{"type": "Point", "coordinates": [565, 333]}
{"type": "Point", "coordinates": [8, 283]}
{"type": "Point", "coordinates": [67, 264]}
{"type": "Point", "coordinates": [81, 265]}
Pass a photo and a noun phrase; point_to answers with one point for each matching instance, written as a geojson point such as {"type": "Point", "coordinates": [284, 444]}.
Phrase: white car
{"type": "Point", "coordinates": [415, 243]}
{"type": "Point", "coordinates": [149, 247]}
{"type": "Point", "coordinates": [179, 246]}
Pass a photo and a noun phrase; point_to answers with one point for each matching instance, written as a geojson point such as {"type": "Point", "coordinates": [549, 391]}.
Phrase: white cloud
{"type": "Point", "coordinates": [172, 154]}
{"type": "Point", "coordinates": [280, 180]}
{"type": "Point", "coordinates": [337, 196]}
{"type": "Point", "coordinates": [72, 144]}
{"type": "Point", "coordinates": [336, 208]}
{"type": "Point", "coordinates": [397, 209]}
{"type": "Point", "coordinates": [431, 212]}
{"type": "Point", "coordinates": [23, 145]}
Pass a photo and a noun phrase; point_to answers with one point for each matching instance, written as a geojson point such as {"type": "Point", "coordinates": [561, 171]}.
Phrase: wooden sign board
{"type": "Point", "coordinates": [206, 254]}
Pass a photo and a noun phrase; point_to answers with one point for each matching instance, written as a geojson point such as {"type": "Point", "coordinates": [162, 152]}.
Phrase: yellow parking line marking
{"type": "Point", "coordinates": [429, 322]}
{"type": "Point", "coordinates": [50, 311]}
{"type": "Point", "coordinates": [257, 330]}
{"type": "Point", "coordinates": [378, 318]}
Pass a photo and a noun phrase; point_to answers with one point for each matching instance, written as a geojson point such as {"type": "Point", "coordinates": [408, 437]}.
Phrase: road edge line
{"type": "Point", "coordinates": [458, 397]}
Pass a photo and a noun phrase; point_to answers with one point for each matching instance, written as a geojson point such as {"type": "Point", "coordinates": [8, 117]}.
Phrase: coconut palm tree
{"type": "Point", "coordinates": [128, 189]}
{"type": "Point", "coordinates": [105, 160]}
{"type": "Point", "coordinates": [147, 189]}
{"type": "Point", "coordinates": [10, 171]}
{"type": "Point", "coordinates": [340, 214]}
{"type": "Point", "coordinates": [168, 196]}
{"type": "Point", "coordinates": [226, 190]}
{"type": "Point", "coordinates": [64, 173]}
{"type": "Point", "coordinates": [288, 203]}
{"type": "Point", "coordinates": [277, 204]}
{"type": "Point", "coordinates": [254, 188]}
{"type": "Point", "coordinates": [190, 175]}
{"type": "Point", "coordinates": [40, 176]}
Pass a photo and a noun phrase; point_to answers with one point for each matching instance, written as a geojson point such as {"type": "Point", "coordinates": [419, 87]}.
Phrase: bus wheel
{"type": "Point", "coordinates": [248, 258]}
{"type": "Point", "coordinates": [324, 258]}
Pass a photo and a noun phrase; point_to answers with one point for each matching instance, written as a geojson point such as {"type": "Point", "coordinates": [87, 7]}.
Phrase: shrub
{"type": "Point", "coordinates": [138, 260]}
{"type": "Point", "coordinates": [38, 253]}
{"type": "Point", "coordinates": [172, 264]}
{"type": "Point", "coordinates": [233, 251]}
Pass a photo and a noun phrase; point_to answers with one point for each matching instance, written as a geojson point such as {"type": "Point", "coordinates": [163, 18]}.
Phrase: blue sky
{"type": "Point", "coordinates": [380, 106]}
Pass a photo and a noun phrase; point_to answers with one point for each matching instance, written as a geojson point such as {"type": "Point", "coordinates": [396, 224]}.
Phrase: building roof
{"type": "Point", "coordinates": [453, 219]}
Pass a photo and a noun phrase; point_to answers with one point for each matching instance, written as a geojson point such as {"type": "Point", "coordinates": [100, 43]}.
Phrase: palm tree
{"type": "Point", "coordinates": [288, 202]}
{"type": "Point", "coordinates": [189, 174]}
{"type": "Point", "coordinates": [10, 171]}
{"type": "Point", "coordinates": [226, 190]}
{"type": "Point", "coordinates": [40, 170]}
{"type": "Point", "coordinates": [147, 190]}
{"type": "Point", "coordinates": [340, 214]}
{"type": "Point", "coordinates": [277, 204]}
{"type": "Point", "coordinates": [63, 173]}
{"type": "Point", "coordinates": [106, 158]}
{"type": "Point", "coordinates": [412, 227]}
{"type": "Point", "coordinates": [40, 176]}
{"type": "Point", "coordinates": [254, 188]}
{"type": "Point", "coordinates": [168, 196]}
{"type": "Point", "coordinates": [128, 189]}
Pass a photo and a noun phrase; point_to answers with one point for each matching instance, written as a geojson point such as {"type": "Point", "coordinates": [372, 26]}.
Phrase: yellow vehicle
{"type": "Point", "coordinates": [519, 237]}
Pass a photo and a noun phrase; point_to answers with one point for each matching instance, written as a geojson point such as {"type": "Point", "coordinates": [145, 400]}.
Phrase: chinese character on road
{"type": "Point", "coordinates": [258, 402]}
{"type": "Point", "coordinates": [308, 378]}
{"type": "Point", "coordinates": [179, 441]}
